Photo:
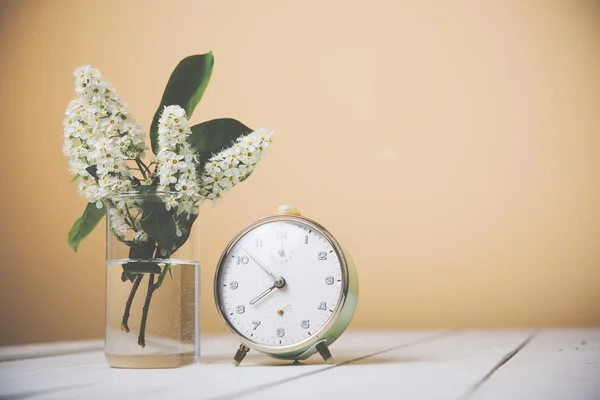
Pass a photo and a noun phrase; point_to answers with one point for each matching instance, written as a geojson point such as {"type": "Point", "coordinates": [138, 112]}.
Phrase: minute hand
{"type": "Point", "coordinates": [259, 264]}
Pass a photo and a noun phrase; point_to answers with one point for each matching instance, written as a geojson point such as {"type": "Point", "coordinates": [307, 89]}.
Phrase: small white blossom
{"type": "Point", "coordinates": [171, 202]}
{"type": "Point", "coordinates": [140, 236]}
{"type": "Point", "coordinates": [229, 167]}
{"type": "Point", "coordinates": [118, 221]}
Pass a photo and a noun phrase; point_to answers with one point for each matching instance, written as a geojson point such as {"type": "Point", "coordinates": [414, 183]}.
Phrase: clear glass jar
{"type": "Point", "coordinates": [152, 282]}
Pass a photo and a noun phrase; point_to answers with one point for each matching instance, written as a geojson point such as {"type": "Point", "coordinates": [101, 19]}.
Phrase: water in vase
{"type": "Point", "coordinates": [152, 318]}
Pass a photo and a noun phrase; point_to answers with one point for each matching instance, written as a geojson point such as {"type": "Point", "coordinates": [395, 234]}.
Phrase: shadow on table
{"type": "Point", "coordinates": [262, 361]}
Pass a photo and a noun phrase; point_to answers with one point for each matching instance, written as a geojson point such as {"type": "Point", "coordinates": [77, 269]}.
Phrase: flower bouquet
{"type": "Point", "coordinates": [151, 205]}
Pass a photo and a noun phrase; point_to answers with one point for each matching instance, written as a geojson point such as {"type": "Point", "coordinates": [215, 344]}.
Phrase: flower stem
{"type": "Point", "coordinates": [151, 288]}
{"type": "Point", "coordinates": [131, 219]}
{"type": "Point", "coordinates": [134, 288]}
{"type": "Point", "coordinates": [144, 165]}
{"type": "Point", "coordinates": [142, 337]}
{"type": "Point", "coordinates": [143, 171]}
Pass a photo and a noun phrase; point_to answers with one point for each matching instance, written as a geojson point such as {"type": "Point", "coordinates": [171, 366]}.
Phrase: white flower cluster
{"type": "Point", "coordinates": [100, 138]}
{"type": "Point", "coordinates": [231, 166]}
{"type": "Point", "coordinates": [98, 132]}
{"type": "Point", "coordinates": [177, 161]}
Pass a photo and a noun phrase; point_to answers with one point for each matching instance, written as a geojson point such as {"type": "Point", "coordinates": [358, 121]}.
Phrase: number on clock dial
{"type": "Point", "coordinates": [294, 313]}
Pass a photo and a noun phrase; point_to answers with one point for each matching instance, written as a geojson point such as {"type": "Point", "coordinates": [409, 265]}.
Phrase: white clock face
{"type": "Point", "coordinates": [280, 283]}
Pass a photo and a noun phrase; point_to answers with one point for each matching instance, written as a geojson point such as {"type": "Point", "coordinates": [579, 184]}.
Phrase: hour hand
{"type": "Point", "coordinates": [263, 294]}
{"type": "Point", "coordinates": [278, 284]}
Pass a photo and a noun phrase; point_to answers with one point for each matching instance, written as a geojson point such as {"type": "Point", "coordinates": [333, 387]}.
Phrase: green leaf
{"type": "Point", "coordinates": [217, 134]}
{"type": "Point", "coordinates": [138, 267]}
{"type": "Point", "coordinates": [158, 222]}
{"type": "Point", "coordinates": [74, 179]}
{"type": "Point", "coordinates": [144, 189]}
{"type": "Point", "coordinates": [185, 88]}
{"type": "Point", "coordinates": [85, 224]}
{"type": "Point", "coordinates": [210, 137]}
{"type": "Point", "coordinates": [126, 276]}
{"type": "Point", "coordinates": [141, 251]}
{"type": "Point", "coordinates": [163, 274]}
{"type": "Point", "coordinates": [93, 171]}
{"type": "Point", "coordinates": [185, 225]}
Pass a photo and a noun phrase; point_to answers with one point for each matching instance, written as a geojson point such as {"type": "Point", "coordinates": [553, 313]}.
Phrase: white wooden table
{"type": "Point", "coordinates": [483, 364]}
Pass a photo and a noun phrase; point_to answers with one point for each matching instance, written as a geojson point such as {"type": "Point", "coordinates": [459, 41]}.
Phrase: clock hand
{"type": "Point", "coordinates": [282, 310]}
{"type": "Point", "coordinates": [259, 264]}
{"type": "Point", "coordinates": [263, 294]}
{"type": "Point", "coordinates": [278, 284]}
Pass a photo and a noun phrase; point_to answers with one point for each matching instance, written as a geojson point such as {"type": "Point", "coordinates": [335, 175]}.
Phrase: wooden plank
{"type": "Point", "coordinates": [10, 353]}
{"type": "Point", "coordinates": [437, 369]}
{"type": "Point", "coordinates": [557, 364]}
{"type": "Point", "coordinates": [213, 377]}
{"type": "Point", "coordinates": [49, 376]}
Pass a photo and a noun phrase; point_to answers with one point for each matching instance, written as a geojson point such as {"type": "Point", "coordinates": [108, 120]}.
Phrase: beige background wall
{"type": "Point", "coordinates": [452, 146]}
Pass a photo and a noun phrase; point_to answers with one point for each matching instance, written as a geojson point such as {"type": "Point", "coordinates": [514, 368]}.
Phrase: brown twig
{"type": "Point", "coordinates": [134, 288]}
{"type": "Point", "coordinates": [151, 288]}
{"type": "Point", "coordinates": [142, 337]}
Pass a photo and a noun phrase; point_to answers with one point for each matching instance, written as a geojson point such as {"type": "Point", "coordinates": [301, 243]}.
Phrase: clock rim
{"type": "Point", "coordinates": [305, 344]}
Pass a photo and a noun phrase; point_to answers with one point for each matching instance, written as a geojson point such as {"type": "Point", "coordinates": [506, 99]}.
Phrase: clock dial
{"type": "Point", "coordinates": [280, 283]}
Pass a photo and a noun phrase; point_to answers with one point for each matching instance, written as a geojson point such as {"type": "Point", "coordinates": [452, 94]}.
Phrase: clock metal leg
{"type": "Point", "coordinates": [240, 354]}
{"type": "Point", "coordinates": [324, 352]}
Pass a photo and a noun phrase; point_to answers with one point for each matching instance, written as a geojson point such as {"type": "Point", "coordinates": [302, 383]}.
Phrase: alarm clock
{"type": "Point", "coordinates": [284, 286]}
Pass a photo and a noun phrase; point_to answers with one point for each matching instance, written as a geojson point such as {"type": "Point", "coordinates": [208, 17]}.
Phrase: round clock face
{"type": "Point", "coordinates": [280, 283]}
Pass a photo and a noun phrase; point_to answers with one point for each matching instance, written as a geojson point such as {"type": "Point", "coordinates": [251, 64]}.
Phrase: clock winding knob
{"type": "Point", "coordinates": [287, 210]}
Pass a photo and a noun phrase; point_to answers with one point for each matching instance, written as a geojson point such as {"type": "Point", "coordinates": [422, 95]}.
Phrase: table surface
{"type": "Point", "coordinates": [473, 364]}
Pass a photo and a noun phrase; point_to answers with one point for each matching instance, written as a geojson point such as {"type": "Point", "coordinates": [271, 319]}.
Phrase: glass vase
{"type": "Point", "coordinates": [152, 282]}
